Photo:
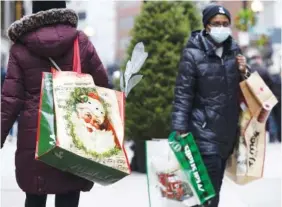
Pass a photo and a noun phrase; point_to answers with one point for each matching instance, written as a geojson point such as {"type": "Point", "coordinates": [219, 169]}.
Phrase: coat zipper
{"type": "Point", "coordinates": [227, 95]}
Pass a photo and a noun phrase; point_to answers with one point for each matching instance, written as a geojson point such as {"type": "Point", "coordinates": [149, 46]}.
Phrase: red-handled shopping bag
{"type": "Point", "coordinates": [88, 131]}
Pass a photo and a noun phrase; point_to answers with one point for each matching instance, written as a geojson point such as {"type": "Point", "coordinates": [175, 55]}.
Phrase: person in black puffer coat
{"type": "Point", "coordinates": [276, 112]}
{"type": "Point", "coordinates": [207, 92]}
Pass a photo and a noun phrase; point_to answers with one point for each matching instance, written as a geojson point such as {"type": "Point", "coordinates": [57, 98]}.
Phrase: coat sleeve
{"type": "Point", "coordinates": [12, 97]}
{"type": "Point", "coordinates": [184, 92]}
{"type": "Point", "coordinates": [95, 67]}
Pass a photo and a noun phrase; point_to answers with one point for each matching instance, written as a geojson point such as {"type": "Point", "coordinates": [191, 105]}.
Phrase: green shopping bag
{"type": "Point", "coordinates": [176, 174]}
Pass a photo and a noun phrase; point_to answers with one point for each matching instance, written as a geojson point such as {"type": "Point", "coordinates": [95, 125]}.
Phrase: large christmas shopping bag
{"type": "Point", "coordinates": [176, 174]}
{"type": "Point", "coordinates": [88, 131]}
{"type": "Point", "coordinates": [246, 164]}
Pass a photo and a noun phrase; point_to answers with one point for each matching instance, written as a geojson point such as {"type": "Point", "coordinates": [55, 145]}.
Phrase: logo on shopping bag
{"type": "Point", "coordinates": [241, 156]}
{"type": "Point", "coordinates": [175, 146]}
{"type": "Point", "coordinates": [253, 148]}
{"type": "Point", "coordinates": [194, 169]}
{"type": "Point", "coordinates": [53, 139]}
{"type": "Point", "coordinates": [260, 90]}
{"type": "Point", "coordinates": [59, 154]}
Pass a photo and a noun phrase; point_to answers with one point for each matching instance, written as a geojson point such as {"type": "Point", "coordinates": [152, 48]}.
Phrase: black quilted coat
{"type": "Point", "coordinates": [207, 92]}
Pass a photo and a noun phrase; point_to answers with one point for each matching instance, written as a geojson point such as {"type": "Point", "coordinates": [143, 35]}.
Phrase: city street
{"type": "Point", "coordinates": [132, 191]}
{"type": "Point", "coordinates": [183, 63]}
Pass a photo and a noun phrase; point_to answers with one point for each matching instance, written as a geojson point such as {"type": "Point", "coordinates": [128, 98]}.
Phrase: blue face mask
{"type": "Point", "coordinates": [220, 34]}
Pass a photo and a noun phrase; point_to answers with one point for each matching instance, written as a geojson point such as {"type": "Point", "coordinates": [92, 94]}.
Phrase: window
{"type": "Point", "coordinates": [126, 22]}
{"type": "Point", "coordinates": [81, 15]}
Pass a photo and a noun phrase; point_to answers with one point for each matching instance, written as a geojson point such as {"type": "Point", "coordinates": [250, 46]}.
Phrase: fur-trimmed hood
{"type": "Point", "coordinates": [47, 33]}
{"type": "Point", "coordinates": [32, 22]}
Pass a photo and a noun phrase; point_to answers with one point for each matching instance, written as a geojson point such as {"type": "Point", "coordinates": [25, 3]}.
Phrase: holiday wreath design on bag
{"type": "Point", "coordinates": [88, 121]}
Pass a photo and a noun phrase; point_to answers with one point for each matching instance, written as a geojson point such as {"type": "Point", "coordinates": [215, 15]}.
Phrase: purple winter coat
{"type": "Point", "coordinates": [39, 36]}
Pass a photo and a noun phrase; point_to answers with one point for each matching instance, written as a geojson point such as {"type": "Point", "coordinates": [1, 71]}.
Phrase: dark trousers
{"type": "Point", "coordinates": [138, 162]}
{"type": "Point", "coordinates": [61, 200]}
{"type": "Point", "coordinates": [277, 117]}
{"type": "Point", "coordinates": [215, 166]}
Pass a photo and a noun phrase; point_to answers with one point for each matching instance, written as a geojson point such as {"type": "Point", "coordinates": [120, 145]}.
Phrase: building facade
{"type": "Point", "coordinates": [269, 23]}
{"type": "Point", "coordinates": [8, 15]}
{"type": "Point", "coordinates": [10, 12]}
{"type": "Point", "coordinates": [97, 20]}
{"type": "Point", "coordinates": [126, 11]}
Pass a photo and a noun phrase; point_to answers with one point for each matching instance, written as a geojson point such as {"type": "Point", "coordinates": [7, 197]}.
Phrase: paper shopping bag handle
{"type": "Point", "coordinates": [76, 57]}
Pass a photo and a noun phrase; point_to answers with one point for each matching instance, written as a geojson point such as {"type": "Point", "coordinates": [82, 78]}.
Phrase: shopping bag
{"type": "Point", "coordinates": [247, 161]}
{"type": "Point", "coordinates": [246, 164]}
{"type": "Point", "coordinates": [252, 103]}
{"type": "Point", "coordinates": [88, 131]}
{"type": "Point", "coordinates": [176, 174]}
{"type": "Point", "coordinates": [260, 90]}
{"type": "Point", "coordinates": [69, 153]}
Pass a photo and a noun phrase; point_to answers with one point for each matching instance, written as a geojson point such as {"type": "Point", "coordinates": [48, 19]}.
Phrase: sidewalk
{"type": "Point", "coordinates": [132, 190]}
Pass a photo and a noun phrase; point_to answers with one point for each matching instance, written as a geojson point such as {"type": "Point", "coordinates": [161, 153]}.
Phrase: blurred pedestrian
{"type": "Point", "coordinates": [276, 112]}
{"type": "Point", "coordinates": [267, 52]}
{"type": "Point", "coordinates": [3, 74]}
{"type": "Point", "coordinates": [273, 81]}
{"type": "Point", "coordinates": [49, 32]}
{"type": "Point", "coordinates": [206, 101]}
{"type": "Point", "coordinates": [255, 60]}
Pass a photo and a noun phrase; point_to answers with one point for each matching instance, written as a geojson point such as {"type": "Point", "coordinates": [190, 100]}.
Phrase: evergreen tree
{"type": "Point", "coordinates": [164, 28]}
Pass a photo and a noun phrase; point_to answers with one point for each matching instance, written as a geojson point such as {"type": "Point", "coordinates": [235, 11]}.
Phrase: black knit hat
{"type": "Point", "coordinates": [212, 10]}
{"type": "Point", "coordinates": [38, 6]}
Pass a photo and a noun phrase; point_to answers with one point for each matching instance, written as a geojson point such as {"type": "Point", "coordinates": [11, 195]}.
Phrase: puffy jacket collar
{"type": "Point", "coordinates": [32, 22]}
{"type": "Point", "coordinates": [200, 40]}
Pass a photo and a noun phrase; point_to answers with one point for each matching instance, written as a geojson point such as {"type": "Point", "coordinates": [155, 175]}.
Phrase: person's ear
{"type": "Point", "coordinates": [208, 29]}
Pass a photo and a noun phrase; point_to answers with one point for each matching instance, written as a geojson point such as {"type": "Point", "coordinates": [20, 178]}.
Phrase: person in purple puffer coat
{"type": "Point", "coordinates": [49, 32]}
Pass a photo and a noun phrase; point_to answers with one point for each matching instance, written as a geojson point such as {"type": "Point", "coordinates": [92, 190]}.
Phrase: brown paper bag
{"type": "Point", "coordinates": [246, 164]}
{"type": "Point", "coordinates": [252, 103]}
{"type": "Point", "coordinates": [259, 89]}
{"type": "Point", "coordinates": [238, 164]}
